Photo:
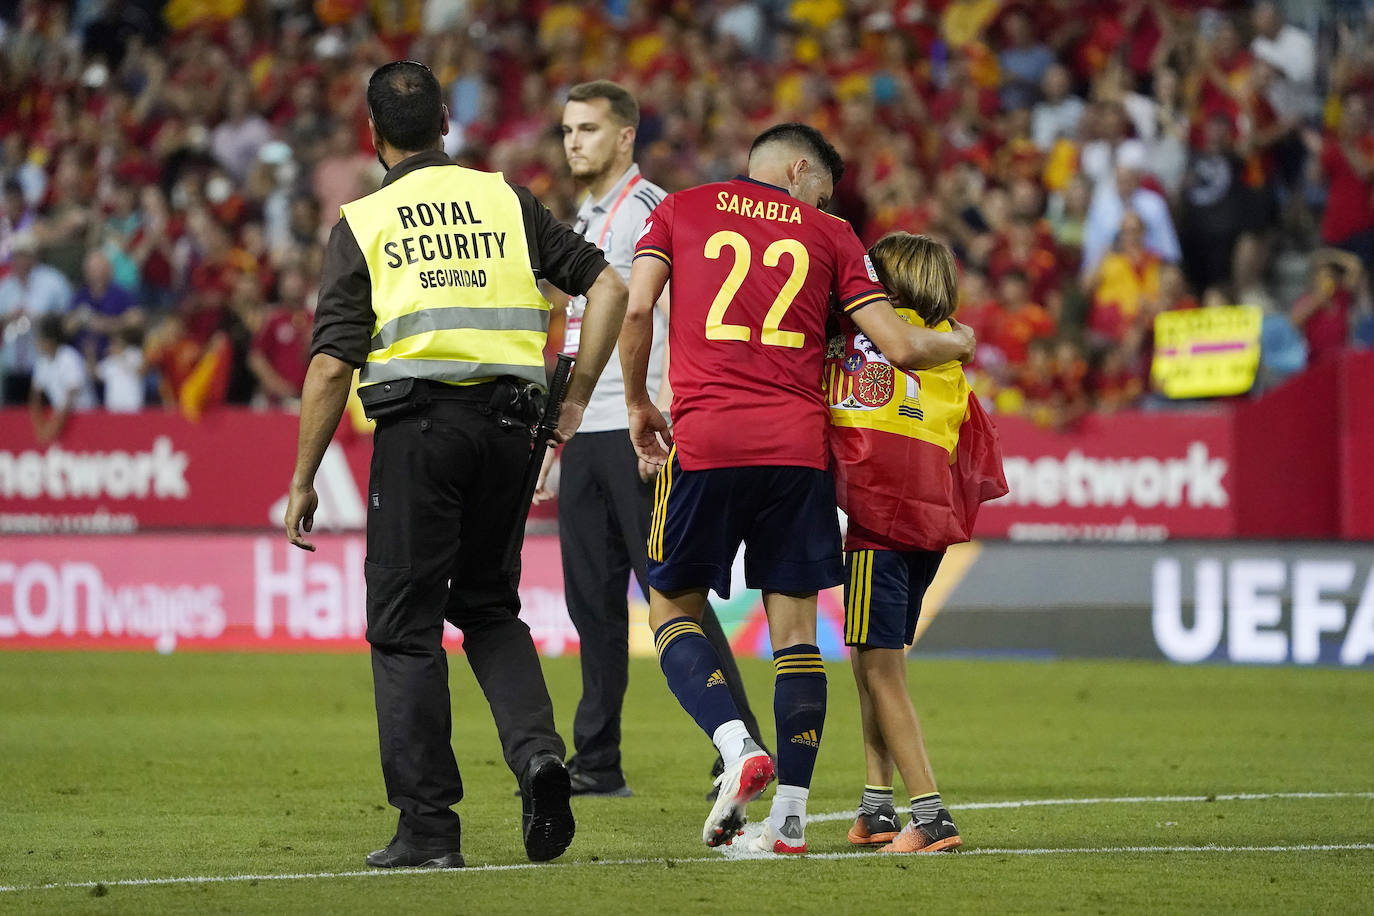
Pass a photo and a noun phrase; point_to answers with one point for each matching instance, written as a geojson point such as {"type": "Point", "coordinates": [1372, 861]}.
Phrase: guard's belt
{"type": "Point", "coordinates": [508, 398]}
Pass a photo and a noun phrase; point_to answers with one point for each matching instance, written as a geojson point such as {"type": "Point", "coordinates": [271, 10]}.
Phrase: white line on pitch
{"type": "Point", "coordinates": [688, 860]}
{"type": "Point", "coordinates": [733, 855]}
{"type": "Point", "coordinates": [1116, 800]}
{"type": "Point", "coordinates": [1110, 850]}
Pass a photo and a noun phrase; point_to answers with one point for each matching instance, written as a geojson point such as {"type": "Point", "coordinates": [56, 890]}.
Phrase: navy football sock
{"type": "Point", "coordinates": [692, 667]}
{"type": "Point", "coordinates": [799, 711]}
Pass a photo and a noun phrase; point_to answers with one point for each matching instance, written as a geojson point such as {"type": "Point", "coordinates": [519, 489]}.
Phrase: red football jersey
{"type": "Point", "coordinates": [754, 274]}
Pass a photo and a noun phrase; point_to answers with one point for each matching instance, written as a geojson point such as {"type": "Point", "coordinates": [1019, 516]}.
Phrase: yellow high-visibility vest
{"type": "Point", "coordinates": [452, 288]}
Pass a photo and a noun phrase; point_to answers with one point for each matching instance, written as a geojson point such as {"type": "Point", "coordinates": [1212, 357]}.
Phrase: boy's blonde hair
{"type": "Point", "coordinates": [919, 274]}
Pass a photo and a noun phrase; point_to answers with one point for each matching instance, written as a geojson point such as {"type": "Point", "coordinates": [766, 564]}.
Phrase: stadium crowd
{"type": "Point", "coordinates": [170, 170]}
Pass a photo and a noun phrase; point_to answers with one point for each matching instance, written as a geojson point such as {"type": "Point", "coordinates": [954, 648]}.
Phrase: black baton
{"type": "Point", "coordinates": [548, 424]}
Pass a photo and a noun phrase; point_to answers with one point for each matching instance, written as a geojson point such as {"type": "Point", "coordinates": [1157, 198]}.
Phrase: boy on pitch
{"type": "Point", "coordinates": [914, 456]}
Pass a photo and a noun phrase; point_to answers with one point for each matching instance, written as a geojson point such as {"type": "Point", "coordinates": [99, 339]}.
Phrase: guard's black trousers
{"type": "Point", "coordinates": [603, 527]}
{"type": "Point", "coordinates": [442, 500]}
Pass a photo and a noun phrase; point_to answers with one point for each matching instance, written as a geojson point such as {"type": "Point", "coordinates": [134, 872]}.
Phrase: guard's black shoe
{"type": "Point", "coordinates": [546, 815]}
{"type": "Point", "coordinates": [599, 783]}
{"type": "Point", "coordinates": [398, 855]}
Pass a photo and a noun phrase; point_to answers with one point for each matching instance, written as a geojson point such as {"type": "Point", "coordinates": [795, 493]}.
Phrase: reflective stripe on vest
{"type": "Point", "coordinates": [452, 289]}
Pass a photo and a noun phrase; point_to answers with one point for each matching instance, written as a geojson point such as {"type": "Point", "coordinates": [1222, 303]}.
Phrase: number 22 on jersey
{"type": "Point", "coordinates": [717, 328]}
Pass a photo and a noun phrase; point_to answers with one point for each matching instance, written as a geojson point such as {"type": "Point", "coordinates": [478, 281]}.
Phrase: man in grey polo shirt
{"type": "Point", "coordinates": [605, 495]}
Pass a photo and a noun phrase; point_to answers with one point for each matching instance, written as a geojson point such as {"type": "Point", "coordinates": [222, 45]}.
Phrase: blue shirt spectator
{"type": "Point", "coordinates": [1023, 61]}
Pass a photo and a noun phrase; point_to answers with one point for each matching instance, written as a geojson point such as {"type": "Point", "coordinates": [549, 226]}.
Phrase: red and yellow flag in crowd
{"type": "Point", "coordinates": [208, 382]}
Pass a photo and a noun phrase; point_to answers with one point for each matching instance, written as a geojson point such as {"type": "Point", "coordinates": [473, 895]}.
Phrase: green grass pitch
{"type": "Point", "coordinates": [119, 767]}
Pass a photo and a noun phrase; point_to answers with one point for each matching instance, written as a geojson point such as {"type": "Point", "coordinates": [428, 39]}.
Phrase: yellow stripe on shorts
{"type": "Point", "coordinates": [849, 600]}
{"type": "Point", "coordinates": [663, 483]}
{"type": "Point", "coordinates": [868, 596]}
{"type": "Point", "coordinates": [658, 510]}
{"type": "Point", "coordinates": [857, 597]}
{"type": "Point", "coordinates": [851, 587]}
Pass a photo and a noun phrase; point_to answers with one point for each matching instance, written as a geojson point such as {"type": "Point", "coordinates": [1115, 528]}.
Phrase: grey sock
{"type": "Point", "coordinates": [924, 808]}
{"type": "Point", "coordinates": [875, 798]}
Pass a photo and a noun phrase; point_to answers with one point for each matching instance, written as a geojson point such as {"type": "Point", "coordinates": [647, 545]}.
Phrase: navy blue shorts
{"type": "Point", "coordinates": [784, 516]}
{"type": "Point", "coordinates": [883, 591]}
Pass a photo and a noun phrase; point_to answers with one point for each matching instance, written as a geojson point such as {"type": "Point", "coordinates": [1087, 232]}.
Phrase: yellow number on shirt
{"type": "Point", "coordinates": [801, 264]}
{"type": "Point", "coordinates": [716, 328]}
{"type": "Point", "coordinates": [773, 335]}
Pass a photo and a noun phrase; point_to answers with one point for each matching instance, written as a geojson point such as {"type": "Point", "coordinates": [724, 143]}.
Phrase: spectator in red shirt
{"type": "Point", "coordinates": [1053, 382]}
{"type": "Point", "coordinates": [211, 279]}
{"type": "Point", "coordinates": [280, 351]}
{"type": "Point", "coordinates": [978, 307]}
{"type": "Point", "coordinates": [1323, 313]}
{"type": "Point", "coordinates": [1022, 248]}
{"type": "Point", "coordinates": [152, 246]}
{"type": "Point", "coordinates": [895, 198]}
{"type": "Point", "coordinates": [1347, 158]}
{"type": "Point", "coordinates": [1035, 379]}
{"type": "Point", "coordinates": [1070, 377]}
{"type": "Point", "coordinates": [1022, 319]}
{"type": "Point", "coordinates": [1220, 75]}
{"type": "Point", "coordinates": [1115, 384]}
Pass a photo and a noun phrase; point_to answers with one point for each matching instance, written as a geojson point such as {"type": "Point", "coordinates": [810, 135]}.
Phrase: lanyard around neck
{"type": "Point", "coordinates": [606, 227]}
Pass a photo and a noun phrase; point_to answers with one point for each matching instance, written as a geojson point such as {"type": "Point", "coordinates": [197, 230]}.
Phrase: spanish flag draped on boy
{"type": "Point", "coordinates": [915, 453]}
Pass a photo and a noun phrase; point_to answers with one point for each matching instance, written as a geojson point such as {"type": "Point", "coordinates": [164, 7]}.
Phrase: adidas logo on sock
{"type": "Point", "coordinates": [808, 738]}
{"type": "Point", "coordinates": [717, 679]}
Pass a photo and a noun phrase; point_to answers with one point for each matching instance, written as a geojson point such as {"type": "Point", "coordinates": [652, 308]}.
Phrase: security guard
{"type": "Point", "coordinates": [429, 285]}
